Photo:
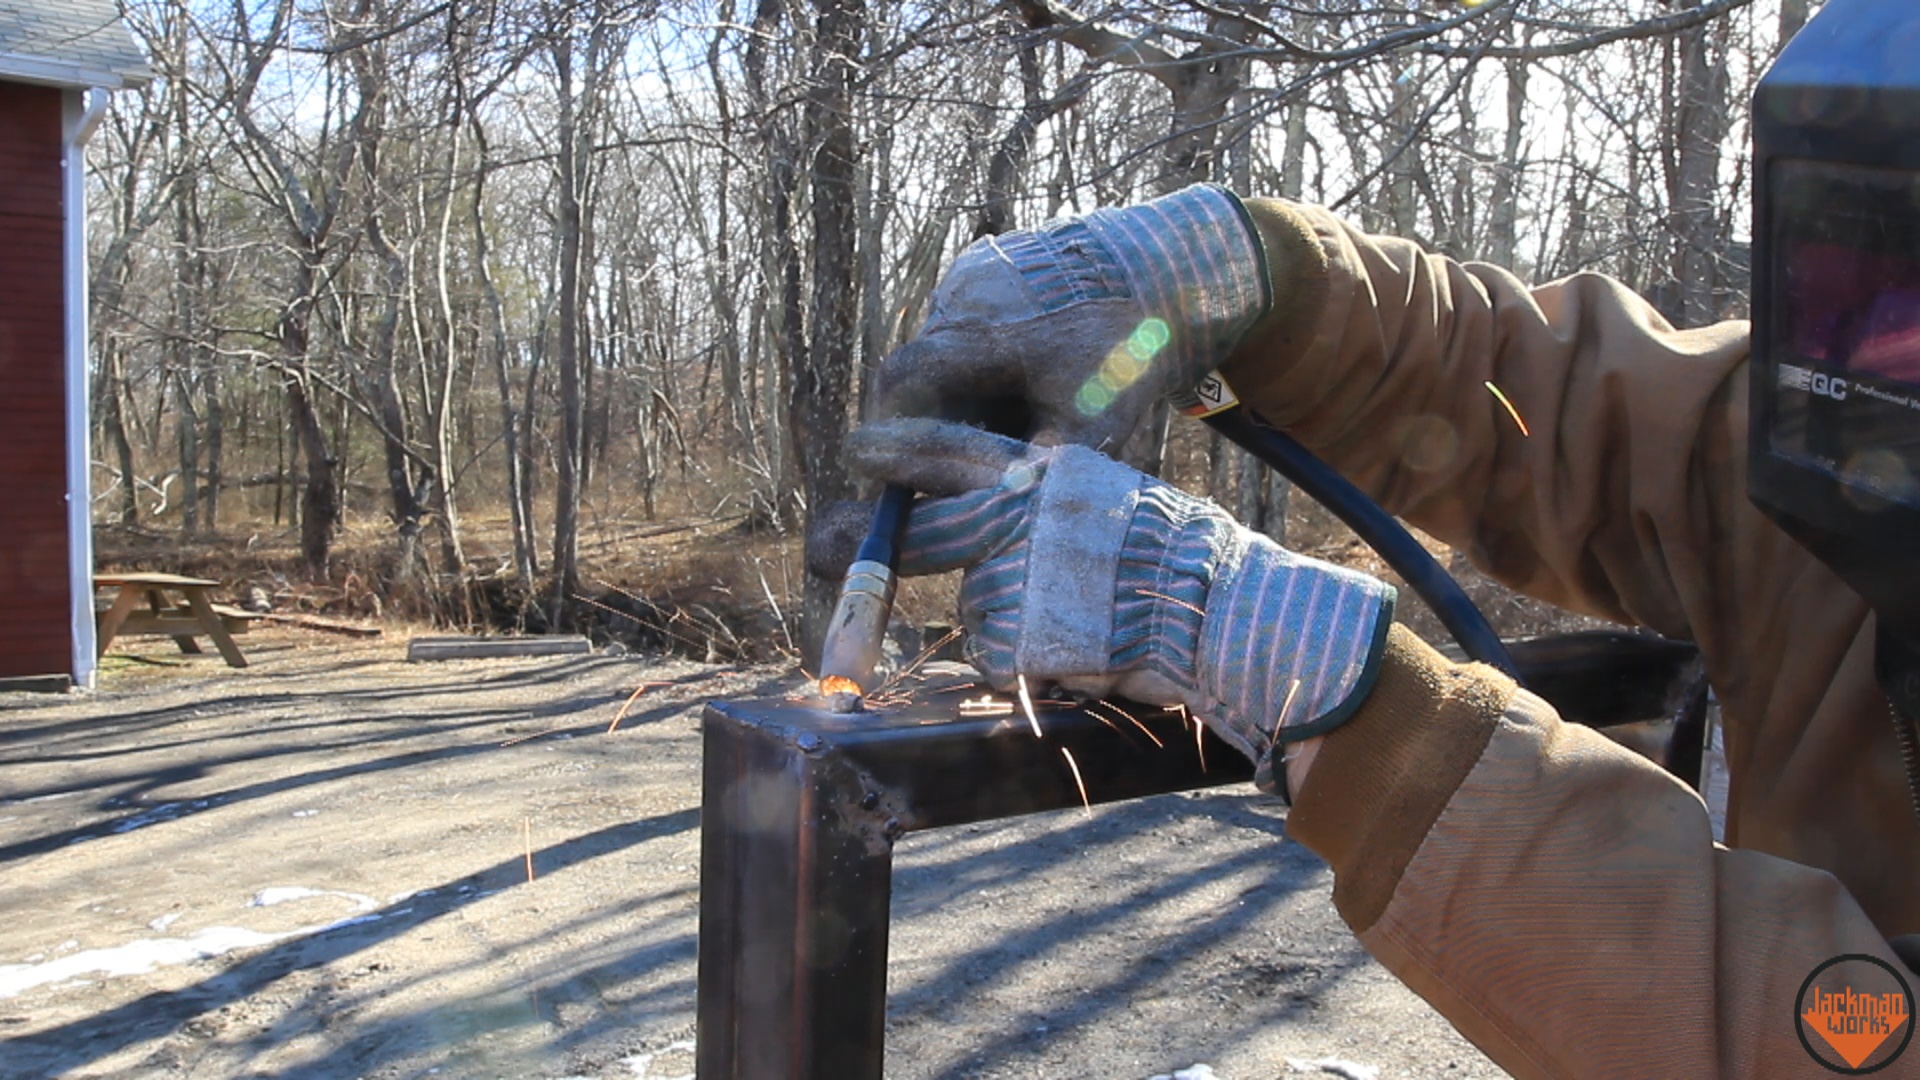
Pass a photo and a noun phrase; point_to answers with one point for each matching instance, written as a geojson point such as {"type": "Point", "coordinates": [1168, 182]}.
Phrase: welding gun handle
{"type": "Point", "coordinates": [851, 649]}
{"type": "Point", "coordinates": [889, 528]}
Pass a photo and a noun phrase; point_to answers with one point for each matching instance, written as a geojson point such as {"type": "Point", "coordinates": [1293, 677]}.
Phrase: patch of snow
{"type": "Point", "coordinates": [1351, 1070]}
{"type": "Point", "coordinates": [305, 813]}
{"type": "Point", "coordinates": [355, 920]}
{"type": "Point", "coordinates": [282, 894]}
{"type": "Point", "coordinates": [160, 924]}
{"type": "Point", "coordinates": [144, 955]}
{"type": "Point", "coordinates": [133, 958]}
{"type": "Point", "coordinates": [642, 1064]}
{"type": "Point", "coordinates": [1198, 1071]}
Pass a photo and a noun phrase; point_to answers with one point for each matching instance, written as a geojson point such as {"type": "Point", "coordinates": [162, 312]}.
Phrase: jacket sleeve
{"type": "Point", "coordinates": [1559, 899]}
{"type": "Point", "coordinates": [1629, 470]}
{"type": "Point", "coordinates": [1625, 497]}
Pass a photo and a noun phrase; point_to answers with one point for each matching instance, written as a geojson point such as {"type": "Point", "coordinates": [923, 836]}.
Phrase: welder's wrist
{"type": "Point", "coordinates": [1297, 273]}
{"type": "Point", "coordinates": [1378, 783]}
{"type": "Point", "coordinates": [1289, 646]}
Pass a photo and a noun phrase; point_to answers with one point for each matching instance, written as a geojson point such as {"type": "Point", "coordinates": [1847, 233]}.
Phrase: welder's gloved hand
{"type": "Point", "coordinates": [1082, 573]}
{"type": "Point", "coordinates": [1078, 326]}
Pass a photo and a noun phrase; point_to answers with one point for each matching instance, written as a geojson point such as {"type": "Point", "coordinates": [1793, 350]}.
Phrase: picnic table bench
{"type": "Point", "coordinates": [176, 607]}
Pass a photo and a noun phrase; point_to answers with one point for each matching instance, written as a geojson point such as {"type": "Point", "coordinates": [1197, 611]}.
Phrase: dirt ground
{"type": "Point", "coordinates": [338, 864]}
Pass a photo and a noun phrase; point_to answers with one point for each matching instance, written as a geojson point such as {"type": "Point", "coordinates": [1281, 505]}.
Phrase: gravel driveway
{"type": "Point", "coordinates": [337, 864]}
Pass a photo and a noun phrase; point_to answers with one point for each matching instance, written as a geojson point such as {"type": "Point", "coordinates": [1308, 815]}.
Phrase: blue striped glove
{"type": "Point", "coordinates": [1079, 326]}
{"type": "Point", "coordinates": [1084, 574]}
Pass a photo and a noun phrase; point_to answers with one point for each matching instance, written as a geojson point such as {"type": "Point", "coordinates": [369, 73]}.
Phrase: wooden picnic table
{"type": "Point", "coordinates": [177, 607]}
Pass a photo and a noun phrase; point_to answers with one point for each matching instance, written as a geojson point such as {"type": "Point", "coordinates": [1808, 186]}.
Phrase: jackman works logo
{"type": "Point", "coordinates": [1855, 1014]}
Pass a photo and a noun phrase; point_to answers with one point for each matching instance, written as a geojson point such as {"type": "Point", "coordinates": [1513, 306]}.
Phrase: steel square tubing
{"type": "Point", "coordinates": [799, 814]}
{"type": "Point", "coordinates": [801, 808]}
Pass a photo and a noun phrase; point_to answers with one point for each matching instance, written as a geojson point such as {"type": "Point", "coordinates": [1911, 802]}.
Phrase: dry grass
{"type": "Point", "coordinates": [714, 587]}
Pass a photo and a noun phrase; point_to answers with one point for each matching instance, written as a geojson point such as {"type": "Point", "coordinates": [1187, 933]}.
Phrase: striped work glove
{"type": "Point", "coordinates": [1068, 333]}
{"type": "Point", "coordinates": [1084, 574]}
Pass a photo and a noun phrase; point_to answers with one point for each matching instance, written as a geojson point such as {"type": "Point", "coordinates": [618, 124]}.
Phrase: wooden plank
{"type": "Point", "coordinates": [165, 580]}
{"type": "Point", "coordinates": [174, 622]}
{"type": "Point", "coordinates": [111, 620]}
{"type": "Point", "coordinates": [487, 648]}
{"type": "Point", "coordinates": [214, 627]}
{"type": "Point", "coordinates": [316, 622]}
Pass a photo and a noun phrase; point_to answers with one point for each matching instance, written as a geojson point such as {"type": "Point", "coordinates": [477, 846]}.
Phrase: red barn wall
{"type": "Point", "coordinates": [36, 633]}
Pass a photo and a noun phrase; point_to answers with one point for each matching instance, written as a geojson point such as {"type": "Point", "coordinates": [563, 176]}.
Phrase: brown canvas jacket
{"type": "Point", "coordinates": [1559, 899]}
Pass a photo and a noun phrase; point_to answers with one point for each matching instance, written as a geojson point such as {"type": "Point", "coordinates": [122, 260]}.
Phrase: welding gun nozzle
{"type": "Point", "coordinates": [859, 624]}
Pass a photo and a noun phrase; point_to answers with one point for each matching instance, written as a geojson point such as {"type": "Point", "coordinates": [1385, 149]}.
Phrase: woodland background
{"type": "Point", "coordinates": [469, 311]}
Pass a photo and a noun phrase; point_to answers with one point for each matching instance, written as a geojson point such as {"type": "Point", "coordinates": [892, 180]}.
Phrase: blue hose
{"type": "Point", "coordinates": [882, 542]}
{"type": "Point", "coordinates": [1378, 528]}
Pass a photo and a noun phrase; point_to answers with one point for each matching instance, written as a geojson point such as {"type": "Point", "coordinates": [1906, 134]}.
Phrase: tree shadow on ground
{"type": "Point", "coordinates": [126, 794]}
{"type": "Point", "coordinates": [73, 1045]}
{"type": "Point", "coordinates": [587, 1004]}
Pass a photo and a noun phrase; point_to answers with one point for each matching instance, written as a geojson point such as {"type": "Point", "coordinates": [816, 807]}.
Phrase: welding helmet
{"type": "Point", "coordinates": [1834, 452]}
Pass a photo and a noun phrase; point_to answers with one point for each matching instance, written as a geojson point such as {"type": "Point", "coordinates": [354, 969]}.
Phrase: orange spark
{"type": "Point", "coordinates": [1200, 743]}
{"type": "Point", "coordinates": [925, 655]}
{"type": "Point", "coordinates": [1174, 600]}
{"type": "Point", "coordinates": [1077, 782]}
{"type": "Point", "coordinates": [641, 689]}
{"type": "Point", "coordinates": [528, 823]}
{"type": "Point", "coordinates": [1144, 729]}
{"type": "Point", "coordinates": [1026, 702]}
{"type": "Point", "coordinates": [1511, 411]}
{"type": "Point", "coordinates": [1281, 720]}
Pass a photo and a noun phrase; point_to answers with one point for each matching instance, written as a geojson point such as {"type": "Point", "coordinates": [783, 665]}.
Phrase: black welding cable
{"type": "Point", "coordinates": [889, 527]}
{"type": "Point", "coordinates": [1378, 528]}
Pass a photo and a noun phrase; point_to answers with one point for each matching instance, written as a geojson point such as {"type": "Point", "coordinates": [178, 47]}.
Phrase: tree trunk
{"type": "Point", "coordinates": [215, 440]}
{"type": "Point", "coordinates": [1698, 126]}
{"type": "Point", "coordinates": [720, 274]}
{"type": "Point", "coordinates": [319, 505]}
{"type": "Point", "coordinates": [453, 557]}
{"type": "Point", "coordinates": [187, 442]}
{"type": "Point", "coordinates": [566, 503]}
{"type": "Point", "coordinates": [1504, 213]}
{"type": "Point", "coordinates": [822, 385]}
{"type": "Point", "coordinates": [519, 504]}
{"type": "Point", "coordinates": [782, 266]}
{"type": "Point", "coordinates": [1202, 91]}
{"type": "Point", "coordinates": [381, 386]}
{"type": "Point", "coordinates": [1793, 16]}
{"type": "Point", "coordinates": [876, 195]}
{"type": "Point", "coordinates": [115, 421]}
